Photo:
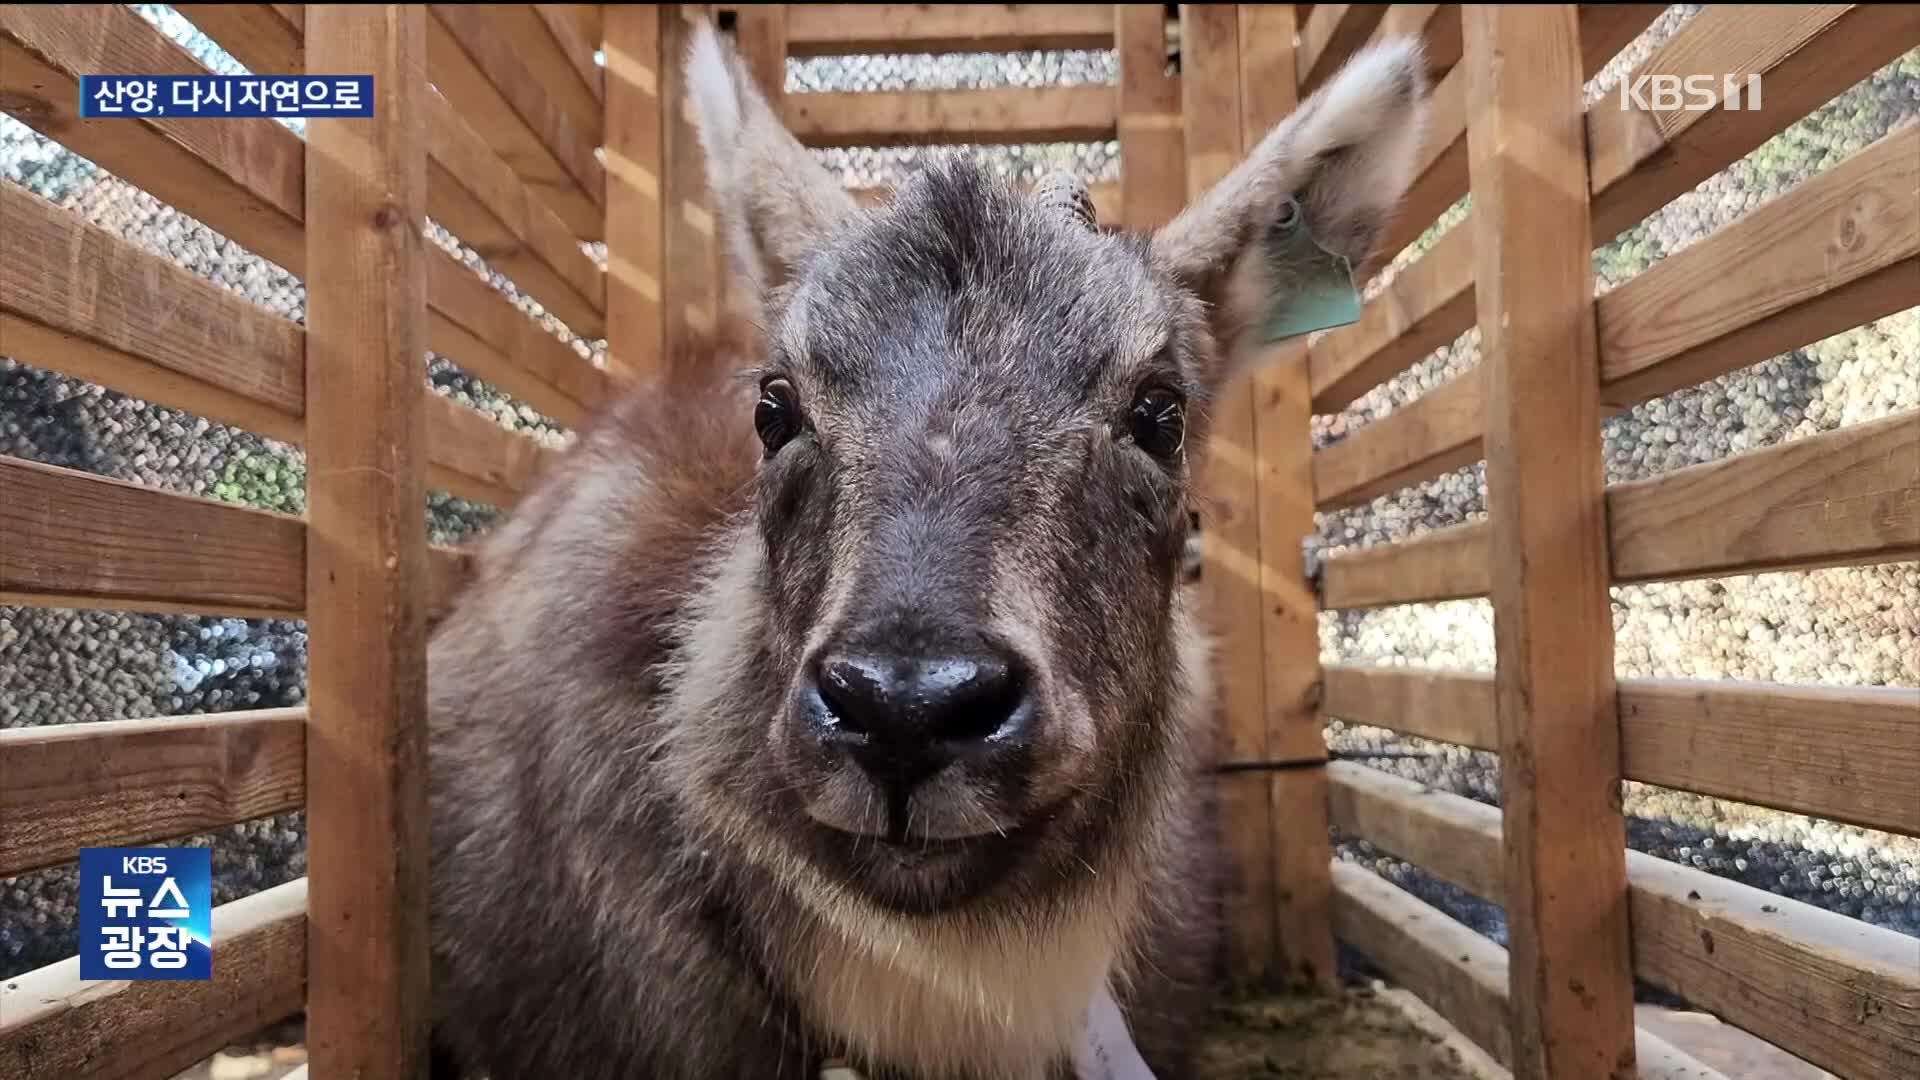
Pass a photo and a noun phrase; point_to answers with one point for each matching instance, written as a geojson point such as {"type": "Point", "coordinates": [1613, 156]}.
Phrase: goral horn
{"type": "Point", "coordinates": [1062, 190]}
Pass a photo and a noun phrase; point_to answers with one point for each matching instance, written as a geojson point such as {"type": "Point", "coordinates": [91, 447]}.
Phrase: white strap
{"type": "Point", "coordinates": [1106, 1050]}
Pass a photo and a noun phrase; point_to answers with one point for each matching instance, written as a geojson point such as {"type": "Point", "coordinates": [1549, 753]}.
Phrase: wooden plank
{"type": "Point", "coordinates": [1289, 611]}
{"type": "Point", "coordinates": [551, 150]}
{"type": "Point", "coordinates": [543, 58]}
{"type": "Point", "coordinates": [1571, 975]}
{"type": "Point", "coordinates": [367, 577]}
{"type": "Point", "coordinates": [1451, 706]}
{"type": "Point", "coordinates": [1462, 975]}
{"type": "Point", "coordinates": [241, 177]}
{"type": "Point", "coordinates": [1805, 54]}
{"type": "Point", "coordinates": [1837, 498]}
{"type": "Point", "coordinates": [1845, 753]}
{"type": "Point", "coordinates": [692, 255]}
{"type": "Point", "coordinates": [928, 117]}
{"type": "Point", "coordinates": [1605, 29]}
{"type": "Point", "coordinates": [1455, 838]}
{"type": "Point", "coordinates": [242, 193]}
{"type": "Point", "coordinates": [477, 197]}
{"type": "Point", "coordinates": [1330, 37]}
{"type": "Point", "coordinates": [1445, 564]}
{"type": "Point", "coordinates": [491, 459]}
{"type": "Point", "coordinates": [1772, 281]}
{"type": "Point", "coordinates": [1438, 432]}
{"type": "Point", "coordinates": [257, 35]}
{"type": "Point", "coordinates": [1228, 474]}
{"type": "Point", "coordinates": [66, 534]}
{"type": "Point", "coordinates": [635, 252]}
{"type": "Point", "coordinates": [1153, 153]}
{"type": "Point", "coordinates": [56, 1025]}
{"type": "Point", "coordinates": [128, 783]}
{"type": "Point", "coordinates": [1421, 310]}
{"type": "Point", "coordinates": [852, 29]}
{"type": "Point", "coordinates": [760, 30]}
{"type": "Point", "coordinates": [80, 300]}
{"type": "Point", "coordinates": [577, 29]}
{"type": "Point", "coordinates": [476, 325]}
{"type": "Point", "coordinates": [1838, 992]}
{"type": "Point", "coordinates": [84, 282]}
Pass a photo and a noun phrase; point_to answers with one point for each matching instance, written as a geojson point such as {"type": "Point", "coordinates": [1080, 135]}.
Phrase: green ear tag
{"type": "Point", "coordinates": [1315, 288]}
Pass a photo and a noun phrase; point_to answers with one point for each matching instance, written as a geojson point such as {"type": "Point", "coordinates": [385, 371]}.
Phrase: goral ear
{"type": "Point", "coordinates": [772, 200]}
{"type": "Point", "coordinates": [1344, 159]}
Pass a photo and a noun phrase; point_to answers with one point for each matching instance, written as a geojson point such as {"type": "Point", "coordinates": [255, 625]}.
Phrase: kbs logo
{"type": "Point", "coordinates": [1691, 93]}
{"type": "Point", "coordinates": [146, 913]}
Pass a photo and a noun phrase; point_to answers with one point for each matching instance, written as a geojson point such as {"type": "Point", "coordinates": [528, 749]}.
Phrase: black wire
{"type": "Point", "coordinates": [1312, 763]}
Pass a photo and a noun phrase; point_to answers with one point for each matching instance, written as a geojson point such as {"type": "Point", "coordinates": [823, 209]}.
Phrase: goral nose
{"type": "Point", "coordinates": [904, 718]}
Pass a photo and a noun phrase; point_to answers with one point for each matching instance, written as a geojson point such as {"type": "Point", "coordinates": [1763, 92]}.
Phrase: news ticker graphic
{"type": "Point", "coordinates": [146, 913]}
{"type": "Point", "coordinates": [226, 96]}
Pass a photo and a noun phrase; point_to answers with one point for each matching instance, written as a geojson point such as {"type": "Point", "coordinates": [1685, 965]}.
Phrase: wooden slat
{"type": "Point", "coordinates": [635, 311]}
{"type": "Point", "coordinates": [577, 29]}
{"type": "Point", "coordinates": [551, 66]}
{"type": "Point", "coordinates": [1227, 473]}
{"type": "Point", "coordinates": [367, 571]}
{"type": "Point", "coordinates": [127, 783]}
{"type": "Point", "coordinates": [242, 190]}
{"type": "Point", "coordinates": [1791, 272]}
{"type": "Point", "coordinates": [1153, 153]}
{"type": "Point", "coordinates": [1440, 175]}
{"type": "Point", "coordinates": [1837, 498]}
{"type": "Point", "coordinates": [80, 300]}
{"type": "Point", "coordinates": [241, 177]}
{"type": "Point", "coordinates": [1445, 564]}
{"type": "Point", "coordinates": [112, 298]}
{"type": "Point", "coordinates": [1845, 753]}
{"type": "Point", "coordinates": [52, 1024]}
{"type": "Point", "coordinates": [1418, 312]}
{"type": "Point", "coordinates": [67, 535]}
{"type": "Point", "coordinates": [551, 150]}
{"type": "Point", "coordinates": [851, 29]}
{"type": "Point", "coordinates": [257, 35]}
{"type": "Point", "coordinates": [492, 339]}
{"type": "Point", "coordinates": [1639, 165]}
{"type": "Point", "coordinates": [1462, 975]}
{"type": "Point", "coordinates": [476, 195]}
{"type": "Point", "coordinates": [1805, 54]}
{"type": "Point", "coordinates": [1450, 706]}
{"type": "Point", "coordinates": [1330, 37]}
{"type": "Point", "coordinates": [1571, 975]}
{"type": "Point", "coordinates": [1843, 994]}
{"type": "Point", "coordinates": [1455, 838]}
{"type": "Point", "coordinates": [1290, 627]}
{"type": "Point", "coordinates": [760, 31]}
{"type": "Point", "coordinates": [924, 117]}
{"type": "Point", "coordinates": [1438, 432]}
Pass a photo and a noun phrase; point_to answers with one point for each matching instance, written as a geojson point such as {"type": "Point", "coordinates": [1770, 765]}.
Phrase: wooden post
{"type": "Point", "coordinates": [1210, 105]}
{"type": "Point", "coordinates": [1566, 889]}
{"type": "Point", "coordinates": [761, 32]}
{"type": "Point", "coordinates": [635, 329]}
{"type": "Point", "coordinates": [1153, 181]}
{"type": "Point", "coordinates": [367, 552]}
{"type": "Point", "coordinates": [691, 263]}
{"type": "Point", "coordinates": [1290, 616]}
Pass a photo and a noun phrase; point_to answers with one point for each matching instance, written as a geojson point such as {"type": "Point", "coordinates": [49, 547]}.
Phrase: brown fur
{"type": "Point", "coordinates": [646, 862]}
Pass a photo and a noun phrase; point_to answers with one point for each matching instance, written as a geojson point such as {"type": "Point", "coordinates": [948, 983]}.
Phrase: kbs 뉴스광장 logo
{"type": "Point", "coordinates": [146, 913]}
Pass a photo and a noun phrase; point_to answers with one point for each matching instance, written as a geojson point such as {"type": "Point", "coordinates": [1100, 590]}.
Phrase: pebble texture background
{"type": "Point", "coordinates": [1848, 626]}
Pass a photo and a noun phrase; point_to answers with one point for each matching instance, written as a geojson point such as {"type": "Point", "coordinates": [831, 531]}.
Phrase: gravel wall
{"type": "Point", "coordinates": [1847, 626]}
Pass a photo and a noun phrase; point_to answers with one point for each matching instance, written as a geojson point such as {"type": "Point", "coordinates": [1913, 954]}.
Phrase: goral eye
{"type": "Point", "coordinates": [776, 417]}
{"type": "Point", "coordinates": [1158, 422]}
